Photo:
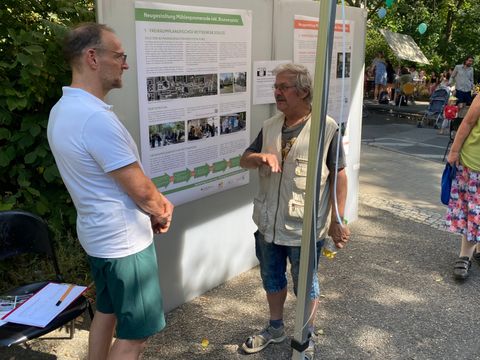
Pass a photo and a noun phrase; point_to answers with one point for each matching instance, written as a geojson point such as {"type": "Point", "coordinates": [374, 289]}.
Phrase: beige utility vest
{"type": "Point", "coordinates": [278, 207]}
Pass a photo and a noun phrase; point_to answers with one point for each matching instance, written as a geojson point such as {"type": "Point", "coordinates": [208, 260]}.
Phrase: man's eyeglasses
{"type": "Point", "coordinates": [282, 87]}
{"type": "Point", "coordinates": [120, 55]}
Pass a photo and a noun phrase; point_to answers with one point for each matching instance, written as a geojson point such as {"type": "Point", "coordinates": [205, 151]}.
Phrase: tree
{"type": "Point", "coordinates": [452, 33]}
{"type": "Point", "coordinates": [32, 73]}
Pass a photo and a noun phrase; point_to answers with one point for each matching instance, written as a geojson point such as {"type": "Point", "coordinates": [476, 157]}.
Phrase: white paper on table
{"type": "Point", "coordinates": [41, 308]}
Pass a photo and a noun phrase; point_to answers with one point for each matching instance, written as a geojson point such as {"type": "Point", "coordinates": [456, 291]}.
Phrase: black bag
{"type": "Point", "coordinates": [383, 98]}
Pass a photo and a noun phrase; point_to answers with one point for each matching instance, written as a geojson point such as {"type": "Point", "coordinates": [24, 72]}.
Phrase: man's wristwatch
{"type": "Point", "coordinates": [344, 221]}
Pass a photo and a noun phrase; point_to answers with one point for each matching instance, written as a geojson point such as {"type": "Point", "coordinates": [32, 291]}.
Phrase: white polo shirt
{"type": "Point", "coordinates": [88, 141]}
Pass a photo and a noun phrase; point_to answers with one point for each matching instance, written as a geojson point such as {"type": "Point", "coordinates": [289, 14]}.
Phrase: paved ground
{"type": "Point", "coordinates": [389, 295]}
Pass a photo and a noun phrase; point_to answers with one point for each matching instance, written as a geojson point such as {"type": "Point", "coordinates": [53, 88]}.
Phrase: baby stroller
{"type": "Point", "coordinates": [434, 113]}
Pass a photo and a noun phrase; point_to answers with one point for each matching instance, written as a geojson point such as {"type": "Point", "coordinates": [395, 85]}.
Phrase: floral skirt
{"type": "Point", "coordinates": [463, 214]}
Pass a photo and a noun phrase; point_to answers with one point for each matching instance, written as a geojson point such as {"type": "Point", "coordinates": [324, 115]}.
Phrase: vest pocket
{"type": "Point", "coordinates": [260, 216]}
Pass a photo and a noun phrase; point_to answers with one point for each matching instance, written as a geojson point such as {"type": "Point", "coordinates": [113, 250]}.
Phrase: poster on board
{"type": "Point", "coordinates": [194, 98]}
{"type": "Point", "coordinates": [304, 52]}
{"type": "Point", "coordinates": [263, 80]}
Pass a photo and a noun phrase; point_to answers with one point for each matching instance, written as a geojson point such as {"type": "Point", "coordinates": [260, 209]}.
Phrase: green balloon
{"type": "Point", "coordinates": [422, 28]}
{"type": "Point", "coordinates": [389, 3]}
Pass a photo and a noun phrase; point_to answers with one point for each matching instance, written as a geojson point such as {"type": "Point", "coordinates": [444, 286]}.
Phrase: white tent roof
{"type": "Point", "coordinates": [404, 47]}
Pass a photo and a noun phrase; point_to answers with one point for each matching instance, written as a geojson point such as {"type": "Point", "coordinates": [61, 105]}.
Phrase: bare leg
{"type": "Point", "coordinates": [375, 93]}
{"type": "Point", "coordinates": [467, 248]}
{"type": "Point", "coordinates": [276, 302]}
{"type": "Point", "coordinates": [101, 335]}
{"type": "Point", "coordinates": [127, 349]}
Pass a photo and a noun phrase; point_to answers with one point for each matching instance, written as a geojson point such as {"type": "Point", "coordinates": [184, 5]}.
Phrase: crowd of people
{"type": "Point", "coordinates": [389, 81]}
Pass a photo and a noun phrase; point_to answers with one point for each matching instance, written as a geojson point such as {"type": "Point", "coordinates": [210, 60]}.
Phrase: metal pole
{"type": "Point", "coordinates": [315, 154]}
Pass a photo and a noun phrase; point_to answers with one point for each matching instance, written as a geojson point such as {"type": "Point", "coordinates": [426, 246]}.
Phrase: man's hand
{"type": "Point", "coordinates": [253, 160]}
{"type": "Point", "coordinates": [340, 234]}
{"type": "Point", "coordinates": [161, 223]}
{"type": "Point", "coordinates": [271, 161]}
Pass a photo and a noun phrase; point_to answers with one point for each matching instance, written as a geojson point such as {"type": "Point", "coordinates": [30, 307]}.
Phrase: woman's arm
{"type": "Point", "coordinates": [464, 130]}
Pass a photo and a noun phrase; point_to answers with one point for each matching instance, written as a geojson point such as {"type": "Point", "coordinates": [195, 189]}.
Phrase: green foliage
{"type": "Point", "coordinates": [32, 72]}
{"type": "Point", "coordinates": [452, 32]}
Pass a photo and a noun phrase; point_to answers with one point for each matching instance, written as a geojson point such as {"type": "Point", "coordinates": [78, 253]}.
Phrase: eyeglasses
{"type": "Point", "coordinates": [282, 87]}
{"type": "Point", "coordinates": [120, 55]}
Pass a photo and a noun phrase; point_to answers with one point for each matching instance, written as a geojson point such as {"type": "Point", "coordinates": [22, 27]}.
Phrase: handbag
{"type": "Point", "coordinates": [448, 175]}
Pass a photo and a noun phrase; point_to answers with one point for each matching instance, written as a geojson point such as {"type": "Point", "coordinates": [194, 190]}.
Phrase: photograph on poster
{"type": "Point", "coordinates": [232, 123]}
{"type": "Point", "coordinates": [202, 128]}
{"type": "Point", "coordinates": [233, 82]}
{"type": "Point", "coordinates": [226, 83]}
{"type": "Point", "coordinates": [181, 86]}
{"type": "Point", "coordinates": [239, 82]}
{"type": "Point", "coordinates": [340, 67]}
{"type": "Point", "coordinates": [166, 134]}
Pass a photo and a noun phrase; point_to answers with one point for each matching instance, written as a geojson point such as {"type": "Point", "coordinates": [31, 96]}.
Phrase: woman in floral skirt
{"type": "Point", "coordinates": [463, 214]}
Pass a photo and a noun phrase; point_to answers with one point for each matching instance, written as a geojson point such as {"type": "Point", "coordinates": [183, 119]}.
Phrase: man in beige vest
{"type": "Point", "coordinates": [280, 153]}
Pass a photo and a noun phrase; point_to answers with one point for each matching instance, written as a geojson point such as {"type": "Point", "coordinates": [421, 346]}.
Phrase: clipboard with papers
{"type": "Point", "coordinates": [42, 307]}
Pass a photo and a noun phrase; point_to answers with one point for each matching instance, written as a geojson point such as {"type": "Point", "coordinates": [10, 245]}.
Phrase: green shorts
{"type": "Point", "coordinates": [128, 287]}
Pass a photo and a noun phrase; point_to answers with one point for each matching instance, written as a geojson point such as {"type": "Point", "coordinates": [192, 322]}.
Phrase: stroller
{"type": "Point", "coordinates": [434, 113]}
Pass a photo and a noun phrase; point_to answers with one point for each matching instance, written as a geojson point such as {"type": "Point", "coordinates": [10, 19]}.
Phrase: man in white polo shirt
{"type": "Point", "coordinates": [118, 206]}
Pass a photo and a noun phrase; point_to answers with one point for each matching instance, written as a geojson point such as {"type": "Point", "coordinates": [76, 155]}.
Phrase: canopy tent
{"type": "Point", "coordinates": [404, 47]}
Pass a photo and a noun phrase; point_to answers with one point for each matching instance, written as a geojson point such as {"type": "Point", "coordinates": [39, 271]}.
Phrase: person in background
{"type": "Point", "coordinates": [462, 77]}
{"type": "Point", "coordinates": [433, 82]}
{"type": "Point", "coordinates": [391, 75]}
{"type": "Point", "coordinates": [280, 153]}
{"type": "Point", "coordinates": [414, 73]}
{"type": "Point", "coordinates": [421, 77]}
{"type": "Point", "coordinates": [118, 207]}
{"type": "Point", "coordinates": [449, 113]}
{"type": "Point", "coordinates": [404, 78]}
{"type": "Point", "coordinates": [463, 213]}
{"type": "Point", "coordinates": [379, 66]}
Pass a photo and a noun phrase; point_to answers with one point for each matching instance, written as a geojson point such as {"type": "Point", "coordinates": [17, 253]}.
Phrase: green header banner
{"type": "Point", "coordinates": [172, 16]}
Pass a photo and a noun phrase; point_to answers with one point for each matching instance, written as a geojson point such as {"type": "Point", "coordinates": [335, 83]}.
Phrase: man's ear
{"type": "Point", "coordinates": [91, 58]}
{"type": "Point", "coordinates": [305, 94]}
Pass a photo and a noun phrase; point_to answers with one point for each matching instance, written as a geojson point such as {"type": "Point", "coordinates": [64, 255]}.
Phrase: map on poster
{"type": "Point", "coordinates": [304, 52]}
{"type": "Point", "coordinates": [193, 68]}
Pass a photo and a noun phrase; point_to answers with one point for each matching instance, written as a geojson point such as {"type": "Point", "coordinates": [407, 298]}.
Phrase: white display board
{"type": "Point", "coordinates": [211, 239]}
{"type": "Point", "coordinates": [304, 52]}
{"type": "Point", "coordinates": [194, 98]}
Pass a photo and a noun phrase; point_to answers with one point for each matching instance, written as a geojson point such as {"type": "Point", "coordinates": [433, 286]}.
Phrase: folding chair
{"type": "Point", "coordinates": [24, 233]}
{"type": "Point", "coordinates": [454, 125]}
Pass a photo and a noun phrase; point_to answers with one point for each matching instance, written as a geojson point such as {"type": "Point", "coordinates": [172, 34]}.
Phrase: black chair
{"type": "Point", "coordinates": [454, 125]}
{"type": "Point", "coordinates": [24, 233]}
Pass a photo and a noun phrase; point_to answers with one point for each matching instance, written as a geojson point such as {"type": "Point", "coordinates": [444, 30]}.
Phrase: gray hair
{"type": "Point", "coordinates": [303, 79]}
{"type": "Point", "coordinates": [81, 37]}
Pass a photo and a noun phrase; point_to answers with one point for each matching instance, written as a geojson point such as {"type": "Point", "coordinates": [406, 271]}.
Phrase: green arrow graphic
{"type": "Point", "coordinates": [182, 176]}
{"type": "Point", "coordinates": [203, 170]}
{"type": "Point", "coordinates": [162, 181]}
{"type": "Point", "coordinates": [235, 161]}
{"type": "Point", "coordinates": [220, 166]}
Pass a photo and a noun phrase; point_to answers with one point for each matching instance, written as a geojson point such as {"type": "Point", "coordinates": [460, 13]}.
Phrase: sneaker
{"type": "Point", "coordinates": [269, 335]}
{"type": "Point", "coordinates": [309, 353]}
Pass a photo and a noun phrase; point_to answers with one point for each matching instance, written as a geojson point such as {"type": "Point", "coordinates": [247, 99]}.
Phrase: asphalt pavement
{"type": "Point", "coordinates": [389, 295]}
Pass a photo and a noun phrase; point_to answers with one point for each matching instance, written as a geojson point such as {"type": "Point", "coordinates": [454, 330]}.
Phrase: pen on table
{"type": "Point", "coordinates": [65, 294]}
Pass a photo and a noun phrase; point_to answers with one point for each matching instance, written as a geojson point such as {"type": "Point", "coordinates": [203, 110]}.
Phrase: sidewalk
{"type": "Point", "coordinates": [389, 295]}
